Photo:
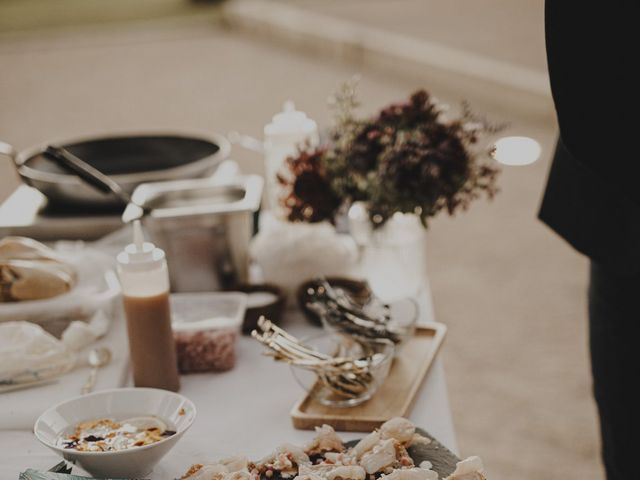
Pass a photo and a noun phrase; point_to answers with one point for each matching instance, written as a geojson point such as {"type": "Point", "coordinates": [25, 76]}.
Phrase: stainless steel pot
{"type": "Point", "coordinates": [204, 227]}
{"type": "Point", "coordinates": [128, 159]}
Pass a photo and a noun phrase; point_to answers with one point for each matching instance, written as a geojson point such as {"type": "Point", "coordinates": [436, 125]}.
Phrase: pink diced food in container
{"type": "Point", "coordinates": [206, 327]}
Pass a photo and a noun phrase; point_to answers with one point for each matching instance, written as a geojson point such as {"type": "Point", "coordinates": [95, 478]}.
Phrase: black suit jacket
{"type": "Point", "coordinates": [593, 192]}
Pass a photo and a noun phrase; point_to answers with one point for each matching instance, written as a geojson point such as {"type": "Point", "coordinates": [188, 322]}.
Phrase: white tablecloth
{"type": "Point", "coordinates": [243, 411]}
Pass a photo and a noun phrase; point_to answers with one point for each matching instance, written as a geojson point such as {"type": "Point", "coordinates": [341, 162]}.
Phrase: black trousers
{"type": "Point", "coordinates": [614, 335]}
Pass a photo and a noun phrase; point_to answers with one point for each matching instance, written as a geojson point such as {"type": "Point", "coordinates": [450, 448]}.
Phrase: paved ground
{"type": "Point", "coordinates": [480, 26]}
{"type": "Point", "coordinates": [511, 292]}
{"type": "Point", "coordinates": [24, 15]}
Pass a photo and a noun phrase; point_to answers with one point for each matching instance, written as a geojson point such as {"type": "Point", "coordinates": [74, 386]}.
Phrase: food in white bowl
{"type": "Point", "coordinates": [119, 433]}
{"type": "Point", "coordinates": [110, 435]}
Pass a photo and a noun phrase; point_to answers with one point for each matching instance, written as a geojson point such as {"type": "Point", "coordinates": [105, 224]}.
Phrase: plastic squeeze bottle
{"type": "Point", "coordinates": [287, 131]}
{"type": "Point", "coordinates": [144, 277]}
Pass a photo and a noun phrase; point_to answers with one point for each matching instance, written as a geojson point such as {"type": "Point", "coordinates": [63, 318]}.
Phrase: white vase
{"type": "Point", "coordinates": [392, 257]}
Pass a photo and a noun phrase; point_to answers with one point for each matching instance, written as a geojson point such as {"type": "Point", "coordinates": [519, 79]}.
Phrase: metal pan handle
{"type": "Point", "coordinates": [246, 141]}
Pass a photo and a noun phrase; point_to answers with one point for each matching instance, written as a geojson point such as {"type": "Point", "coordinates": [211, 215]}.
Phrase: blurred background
{"type": "Point", "coordinates": [512, 294]}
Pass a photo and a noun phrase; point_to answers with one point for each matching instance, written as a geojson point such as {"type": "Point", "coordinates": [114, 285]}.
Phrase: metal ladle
{"type": "Point", "coordinates": [98, 358]}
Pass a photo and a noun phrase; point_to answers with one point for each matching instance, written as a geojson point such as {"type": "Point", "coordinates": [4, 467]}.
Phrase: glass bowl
{"type": "Point", "coordinates": [327, 389]}
{"type": "Point", "coordinates": [403, 316]}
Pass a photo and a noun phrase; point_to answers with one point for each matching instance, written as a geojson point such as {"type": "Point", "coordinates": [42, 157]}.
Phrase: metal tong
{"type": "Point", "coordinates": [94, 177]}
{"type": "Point", "coordinates": [340, 310]}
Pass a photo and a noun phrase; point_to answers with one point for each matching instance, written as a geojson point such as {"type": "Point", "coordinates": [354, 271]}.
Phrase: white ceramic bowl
{"type": "Point", "coordinates": [117, 404]}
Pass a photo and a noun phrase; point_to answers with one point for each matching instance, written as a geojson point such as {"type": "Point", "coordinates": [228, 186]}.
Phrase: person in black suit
{"type": "Point", "coordinates": [592, 200]}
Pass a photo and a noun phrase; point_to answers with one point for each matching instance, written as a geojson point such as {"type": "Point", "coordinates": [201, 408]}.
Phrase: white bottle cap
{"type": "Point", "coordinates": [140, 255]}
{"type": "Point", "coordinates": [290, 122]}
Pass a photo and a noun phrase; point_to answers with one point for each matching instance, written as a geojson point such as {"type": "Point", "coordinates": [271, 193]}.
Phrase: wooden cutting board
{"type": "Point", "coordinates": [394, 398]}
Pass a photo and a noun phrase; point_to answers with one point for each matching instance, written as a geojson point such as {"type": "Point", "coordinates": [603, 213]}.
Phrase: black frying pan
{"type": "Point", "coordinates": [128, 159]}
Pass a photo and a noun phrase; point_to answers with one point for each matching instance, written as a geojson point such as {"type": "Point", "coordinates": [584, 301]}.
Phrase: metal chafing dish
{"type": "Point", "coordinates": [204, 227]}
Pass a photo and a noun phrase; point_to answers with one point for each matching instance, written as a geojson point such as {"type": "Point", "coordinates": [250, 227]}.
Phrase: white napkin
{"type": "Point", "coordinates": [291, 253]}
{"type": "Point", "coordinates": [29, 354]}
{"type": "Point", "coordinates": [80, 334]}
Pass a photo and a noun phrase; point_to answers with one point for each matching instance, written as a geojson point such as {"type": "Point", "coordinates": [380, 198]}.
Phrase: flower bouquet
{"type": "Point", "coordinates": [391, 173]}
{"type": "Point", "coordinates": [409, 158]}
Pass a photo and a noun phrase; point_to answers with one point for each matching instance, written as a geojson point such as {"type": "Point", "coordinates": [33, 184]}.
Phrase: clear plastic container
{"type": "Point", "coordinates": [206, 327]}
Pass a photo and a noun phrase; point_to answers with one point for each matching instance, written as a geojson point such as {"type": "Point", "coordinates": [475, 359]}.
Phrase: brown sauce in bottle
{"type": "Point", "coordinates": [151, 342]}
{"type": "Point", "coordinates": [142, 269]}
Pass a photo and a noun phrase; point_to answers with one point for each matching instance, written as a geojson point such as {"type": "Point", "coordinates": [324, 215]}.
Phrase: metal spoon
{"type": "Point", "coordinates": [98, 357]}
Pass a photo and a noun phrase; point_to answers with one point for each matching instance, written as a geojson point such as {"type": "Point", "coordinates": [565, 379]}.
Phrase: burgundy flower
{"type": "Point", "coordinates": [405, 159]}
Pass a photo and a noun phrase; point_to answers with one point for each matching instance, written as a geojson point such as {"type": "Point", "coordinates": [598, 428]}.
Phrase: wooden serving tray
{"type": "Point", "coordinates": [395, 396]}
